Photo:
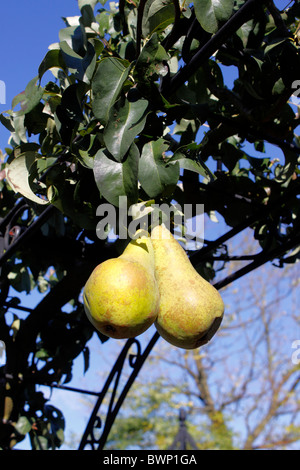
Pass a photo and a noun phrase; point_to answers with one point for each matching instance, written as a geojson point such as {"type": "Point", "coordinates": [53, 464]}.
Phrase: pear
{"type": "Point", "coordinates": [121, 297]}
{"type": "Point", "coordinates": [191, 309]}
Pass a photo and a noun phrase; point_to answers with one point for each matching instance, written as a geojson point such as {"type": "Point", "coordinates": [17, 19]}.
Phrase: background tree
{"type": "Point", "coordinates": [138, 106]}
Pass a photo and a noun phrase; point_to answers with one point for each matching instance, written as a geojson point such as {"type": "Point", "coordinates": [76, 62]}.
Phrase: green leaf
{"type": "Point", "coordinates": [56, 419]}
{"type": "Point", "coordinates": [244, 31]}
{"type": "Point", "coordinates": [87, 8]}
{"type": "Point", "coordinates": [75, 37]}
{"type": "Point", "coordinates": [53, 59]}
{"type": "Point", "coordinates": [42, 354]}
{"type": "Point", "coordinates": [29, 98]}
{"type": "Point", "coordinates": [155, 174]}
{"type": "Point", "coordinates": [210, 13]}
{"type": "Point", "coordinates": [69, 113]}
{"type": "Point", "coordinates": [23, 425]}
{"type": "Point", "coordinates": [197, 166]}
{"type": "Point", "coordinates": [20, 278]}
{"type": "Point", "coordinates": [126, 120]}
{"type": "Point", "coordinates": [107, 84]}
{"type": "Point", "coordinates": [279, 87]}
{"type": "Point", "coordinates": [82, 67]}
{"type": "Point", "coordinates": [40, 443]}
{"type": "Point", "coordinates": [149, 59]}
{"type": "Point", "coordinates": [273, 44]}
{"type": "Point", "coordinates": [91, 3]}
{"type": "Point", "coordinates": [284, 173]}
{"type": "Point", "coordinates": [158, 14]}
{"type": "Point", "coordinates": [7, 122]}
{"type": "Point", "coordinates": [115, 179]}
{"type": "Point", "coordinates": [66, 195]}
{"type": "Point", "coordinates": [17, 174]}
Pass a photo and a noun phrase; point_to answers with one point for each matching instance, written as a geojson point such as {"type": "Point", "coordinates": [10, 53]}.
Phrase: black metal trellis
{"type": "Point", "coordinates": [242, 15]}
{"type": "Point", "coordinates": [97, 430]}
{"type": "Point", "coordinates": [136, 362]}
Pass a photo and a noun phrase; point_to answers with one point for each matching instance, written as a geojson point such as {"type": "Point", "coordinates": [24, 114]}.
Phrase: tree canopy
{"type": "Point", "coordinates": [137, 104]}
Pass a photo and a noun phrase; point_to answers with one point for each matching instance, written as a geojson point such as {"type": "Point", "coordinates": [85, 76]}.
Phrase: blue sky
{"type": "Point", "coordinates": [27, 29]}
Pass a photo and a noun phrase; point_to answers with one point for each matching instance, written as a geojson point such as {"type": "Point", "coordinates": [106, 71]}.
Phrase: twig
{"type": "Point", "coordinates": [172, 35]}
{"type": "Point", "coordinates": [141, 8]}
{"type": "Point", "coordinates": [216, 41]}
{"type": "Point", "coordinates": [122, 13]}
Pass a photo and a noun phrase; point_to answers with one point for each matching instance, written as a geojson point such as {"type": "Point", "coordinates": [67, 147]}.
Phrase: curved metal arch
{"type": "Point", "coordinates": [135, 361]}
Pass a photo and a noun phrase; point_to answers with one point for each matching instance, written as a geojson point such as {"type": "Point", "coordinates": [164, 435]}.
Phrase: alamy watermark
{"type": "Point", "coordinates": [296, 353]}
{"type": "Point", "coordinates": [2, 92]}
{"type": "Point", "coordinates": [296, 86]}
{"type": "Point", "coordinates": [295, 98]}
{"type": "Point", "coordinates": [189, 219]}
{"type": "Point", "coordinates": [2, 353]}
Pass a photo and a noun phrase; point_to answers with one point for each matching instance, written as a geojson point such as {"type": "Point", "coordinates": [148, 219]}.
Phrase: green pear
{"type": "Point", "coordinates": [191, 309]}
{"type": "Point", "coordinates": [121, 297]}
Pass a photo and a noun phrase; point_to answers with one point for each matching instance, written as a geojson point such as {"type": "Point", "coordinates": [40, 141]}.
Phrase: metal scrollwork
{"type": "Point", "coordinates": [90, 437]}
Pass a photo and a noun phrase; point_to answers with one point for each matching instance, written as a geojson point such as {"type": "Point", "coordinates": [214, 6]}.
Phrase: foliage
{"type": "Point", "coordinates": [137, 105]}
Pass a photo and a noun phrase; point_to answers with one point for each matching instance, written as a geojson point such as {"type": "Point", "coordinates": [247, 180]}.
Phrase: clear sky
{"type": "Point", "coordinates": [27, 29]}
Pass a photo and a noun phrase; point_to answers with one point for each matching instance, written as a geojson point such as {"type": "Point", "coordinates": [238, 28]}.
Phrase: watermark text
{"type": "Point", "coordinates": [2, 353]}
{"type": "Point", "coordinates": [296, 353]}
{"type": "Point", "coordinates": [127, 220]}
{"type": "Point", "coordinates": [2, 92]}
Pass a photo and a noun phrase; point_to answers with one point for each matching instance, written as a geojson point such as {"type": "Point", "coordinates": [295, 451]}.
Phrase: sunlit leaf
{"type": "Point", "coordinates": [29, 98]}
{"type": "Point", "coordinates": [115, 179]}
{"type": "Point", "coordinates": [107, 84]}
{"type": "Point", "coordinates": [17, 174]}
{"type": "Point", "coordinates": [126, 120]}
{"type": "Point", "coordinates": [82, 67]}
{"type": "Point", "coordinates": [149, 59]}
{"type": "Point", "coordinates": [155, 174]}
{"type": "Point", "coordinates": [23, 425]}
{"type": "Point", "coordinates": [158, 14]}
{"type": "Point", "coordinates": [210, 13]}
{"type": "Point", "coordinates": [53, 59]}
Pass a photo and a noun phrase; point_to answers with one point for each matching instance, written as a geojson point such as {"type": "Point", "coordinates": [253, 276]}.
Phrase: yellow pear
{"type": "Point", "coordinates": [121, 297]}
{"type": "Point", "coordinates": [191, 309]}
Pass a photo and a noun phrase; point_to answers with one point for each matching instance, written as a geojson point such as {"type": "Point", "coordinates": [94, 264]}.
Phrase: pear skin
{"type": "Point", "coordinates": [191, 309]}
{"type": "Point", "coordinates": [121, 297]}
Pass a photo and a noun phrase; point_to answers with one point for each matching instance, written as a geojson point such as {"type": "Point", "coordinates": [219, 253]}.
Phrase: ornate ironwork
{"type": "Point", "coordinates": [13, 235]}
{"type": "Point", "coordinates": [95, 424]}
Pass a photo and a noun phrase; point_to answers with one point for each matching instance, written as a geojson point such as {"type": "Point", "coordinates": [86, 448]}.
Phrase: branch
{"type": "Point", "coordinates": [248, 222]}
{"type": "Point", "coordinates": [122, 13]}
{"type": "Point", "coordinates": [264, 258]}
{"type": "Point", "coordinates": [274, 406]}
{"type": "Point", "coordinates": [141, 8]}
{"type": "Point", "coordinates": [236, 21]}
{"type": "Point", "coordinates": [171, 38]}
{"type": "Point", "coordinates": [28, 232]}
{"type": "Point", "coordinates": [278, 19]}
